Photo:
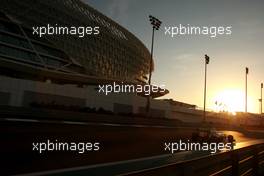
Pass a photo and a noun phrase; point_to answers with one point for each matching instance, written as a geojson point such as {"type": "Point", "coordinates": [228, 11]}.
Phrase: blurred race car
{"type": "Point", "coordinates": [210, 135]}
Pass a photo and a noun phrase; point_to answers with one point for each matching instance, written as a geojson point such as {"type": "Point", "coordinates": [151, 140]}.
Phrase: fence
{"type": "Point", "coordinates": [241, 162]}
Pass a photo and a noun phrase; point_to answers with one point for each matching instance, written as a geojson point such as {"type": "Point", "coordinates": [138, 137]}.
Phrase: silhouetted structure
{"type": "Point", "coordinates": [113, 54]}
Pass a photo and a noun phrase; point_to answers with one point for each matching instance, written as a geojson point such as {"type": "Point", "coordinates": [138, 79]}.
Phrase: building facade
{"type": "Point", "coordinates": [65, 70]}
{"type": "Point", "coordinates": [113, 54]}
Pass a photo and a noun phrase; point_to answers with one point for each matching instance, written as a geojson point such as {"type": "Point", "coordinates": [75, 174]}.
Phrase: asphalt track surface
{"type": "Point", "coordinates": [128, 165]}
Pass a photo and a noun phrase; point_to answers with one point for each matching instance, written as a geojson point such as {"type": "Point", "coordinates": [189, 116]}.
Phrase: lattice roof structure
{"type": "Point", "coordinates": [114, 54]}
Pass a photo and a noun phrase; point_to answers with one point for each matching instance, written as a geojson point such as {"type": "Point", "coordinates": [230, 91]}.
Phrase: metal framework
{"type": "Point", "coordinates": [114, 54]}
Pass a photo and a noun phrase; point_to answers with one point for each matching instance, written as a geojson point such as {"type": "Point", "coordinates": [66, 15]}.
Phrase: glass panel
{"type": "Point", "coordinates": [8, 27]}
{"type": "Point", "coordinates": [14, 41]}
{"type": "Point", "coordinates": [19, 54]}
{"type": "Point", "coordinates": [52, 62]}
{"type": "Point", "coordinates": [49, 51]}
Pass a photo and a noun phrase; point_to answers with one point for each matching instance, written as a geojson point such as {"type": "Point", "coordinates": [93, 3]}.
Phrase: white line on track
{"type": "Point", "coordinates": [86, 123]}
{"type": "Point", "coordinates": [21, 120]}
{"type": "Point", "coordinates": [104, 164]}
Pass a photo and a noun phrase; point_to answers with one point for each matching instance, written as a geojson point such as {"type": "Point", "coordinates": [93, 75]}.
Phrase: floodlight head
{"type": "Point", "coordinates": [207, 59]}
{"type": "Point", "coordinates": [154, 22]}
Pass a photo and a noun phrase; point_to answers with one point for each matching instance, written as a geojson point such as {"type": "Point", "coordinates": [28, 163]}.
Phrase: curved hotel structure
{"type": "Point", "coordinates": [114, 54]}
{"type": "Point", "coordinates": [67, 69]}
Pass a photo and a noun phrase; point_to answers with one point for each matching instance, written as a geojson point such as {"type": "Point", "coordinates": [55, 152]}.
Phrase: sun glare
{"type": "Point", "coordinates": [229, 101]}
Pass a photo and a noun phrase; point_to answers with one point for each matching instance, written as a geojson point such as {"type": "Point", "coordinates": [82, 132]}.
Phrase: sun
{"type": "Point", "coordinates": [230, 100]}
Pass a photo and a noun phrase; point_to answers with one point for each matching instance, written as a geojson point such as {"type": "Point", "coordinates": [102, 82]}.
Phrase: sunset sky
{"type": "Point", "coordinates": [179, 61]}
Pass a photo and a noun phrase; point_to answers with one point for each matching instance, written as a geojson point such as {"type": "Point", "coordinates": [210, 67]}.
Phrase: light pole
{"type": "Point", "coordinates": [260, 100]}
{"type": "Point", "coordinates": [246, 91]}
{"type": "Point", "coordinates": [207, 60]}
{"type": "Point", "coordinates": [155, 26]}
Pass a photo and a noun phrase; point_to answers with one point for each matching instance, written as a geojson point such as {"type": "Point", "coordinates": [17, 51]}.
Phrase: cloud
{"type": "Point", "coordinates": [184, 56]}
{"type": "Point", "coordinates": [118, 10]}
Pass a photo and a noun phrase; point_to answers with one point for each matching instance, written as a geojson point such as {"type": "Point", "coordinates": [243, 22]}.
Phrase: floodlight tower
{"type": "Point", "coordinates": [207, 60]}
{"type": "Point", "coordinates": [155, 26]}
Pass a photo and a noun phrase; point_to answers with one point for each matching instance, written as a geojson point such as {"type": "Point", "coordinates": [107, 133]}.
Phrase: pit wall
{"type": "Point", "coordinates": [22, 93]}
